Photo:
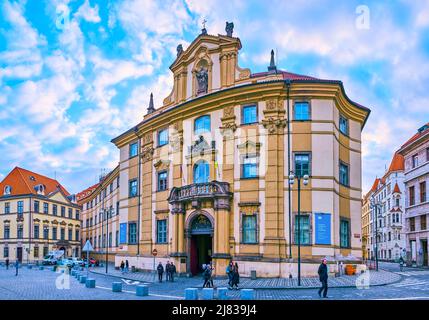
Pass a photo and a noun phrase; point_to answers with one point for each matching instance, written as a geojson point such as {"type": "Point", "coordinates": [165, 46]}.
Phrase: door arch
{"type": "Point", "coordinates": [200, 228]}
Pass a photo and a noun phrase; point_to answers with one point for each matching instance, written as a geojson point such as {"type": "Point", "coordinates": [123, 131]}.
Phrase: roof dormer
{"type": "Point", "coordinates": [40, 189]}
{"type": "Point", "coordinates": [7, 190]}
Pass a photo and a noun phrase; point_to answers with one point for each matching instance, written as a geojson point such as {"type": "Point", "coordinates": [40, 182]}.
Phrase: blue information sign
{"type": "Point", "coordinates": [323, 228]}
{"type": "Point", "coordinates": [123, 233]}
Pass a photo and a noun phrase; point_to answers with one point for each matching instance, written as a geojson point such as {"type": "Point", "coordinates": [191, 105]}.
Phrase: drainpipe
{"type": "Point", "coordinates": [288, 82]}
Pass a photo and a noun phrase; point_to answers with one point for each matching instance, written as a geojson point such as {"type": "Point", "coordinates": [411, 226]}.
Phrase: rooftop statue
{"type": "Point", "coordinates": [229, 28]}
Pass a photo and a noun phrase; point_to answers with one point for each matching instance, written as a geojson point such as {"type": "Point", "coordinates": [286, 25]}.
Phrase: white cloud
{"type": "Point", "coordinates": [88, 13]}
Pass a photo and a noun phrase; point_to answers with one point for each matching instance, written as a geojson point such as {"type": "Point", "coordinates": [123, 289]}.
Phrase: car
{"type": "Point", "coordinates": [66, 262]}
{"type": "Point", "coordinates": [93, 262]}
{"type": "Point", "coordinates": [78, 262]}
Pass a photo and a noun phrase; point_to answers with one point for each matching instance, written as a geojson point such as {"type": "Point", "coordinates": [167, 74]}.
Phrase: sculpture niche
{"type": "Point", "coordinates": [202, 80]}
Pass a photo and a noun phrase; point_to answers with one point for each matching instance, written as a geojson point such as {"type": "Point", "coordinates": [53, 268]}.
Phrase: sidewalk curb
{"type": "Point", "coordinates": [266, 288]}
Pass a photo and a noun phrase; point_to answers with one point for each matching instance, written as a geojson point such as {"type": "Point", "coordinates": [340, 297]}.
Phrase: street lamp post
{"type": "Point", "coordinates": [305, 179]}
{"type": "Point", "coordinates": [374, 206]}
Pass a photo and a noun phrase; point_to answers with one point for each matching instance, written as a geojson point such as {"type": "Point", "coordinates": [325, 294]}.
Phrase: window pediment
{"type": "Point", "coordinates": [162, 165]}
{"type": "Point", "coordinates": [249, 147]}
{"type": "Point", "coordinates": [201, 147]}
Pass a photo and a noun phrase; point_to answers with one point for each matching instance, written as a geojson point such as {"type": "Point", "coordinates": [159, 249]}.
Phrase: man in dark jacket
{"type": "Point", "coordinates": [160, 271]}
{"type": "Point", "coordinates": [172, 271]}
{"type": "Point", "coordinates": [167, 271]}
{"type": "Point", "coordinates": [323, 276]}
{"type": "Point", "coordinates": [7, 263]}
{"type": "Point", "coordinates": [16, 267]}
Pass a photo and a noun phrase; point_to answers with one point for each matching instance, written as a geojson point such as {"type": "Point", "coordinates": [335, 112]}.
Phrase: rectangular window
{"type": "Point", "coordinates": [162, 180]}
{"type": "Point", "coordinates": [63, 211]}
{"type": "Point", "coordinates": [36, 206]}
{"type": "Point", "coordinates": [70, 213]}
{"type": "Point", "coordinates": [412, 196]}
{"type": "Point", "coordinates": [54, 209]}
{"type": "Point", "coordinates": [427, 154]}
{"type": "Point", "coordinates": [45, 207]}
{"type": "Point", "coordinates": [344, 174]}
{"type": "Point", "coordinates": [20, 207]}
{"type": "Point", "coordinates": [6, 252]}
{"type": "Point", "coordinates": [249, 114]}
{"type": "Point", "coordinates": [250, 166]}
{"type": "Point", "coordinates": [132, 233]}
{"type": "Point", "coordinates": [250, 229]}
{"type": "Point", "coordinates": [423, 192]}
{"type": "Point", "coordinates": [412, 224]}
{"type": "Point", "coordinates": [415, 160]}
{"type": "Point", "coordinates": [77, 214]}
{"type": "Point", "coordinates": [345, 234]}
{"type": "Point", "coordinates": [117, 207]}
{"type": "Point", "coordinates": [117, 239]}
{"type": "Point", "coordinates": [162, 137]}
{"type": "Point", "coordinates": [111, 187]}
{"type": "Point", "coordinates": [133, 188]}
{"type": "Point", "coordinates": [54, 233]}
{"type": "Point", "coordinates": [110, 239]}
{"type": "Point", "coordinates": [133, 149]}
{"type": "Point", "coordinates": [90, 222]}
{"type": "Point", "coordinates": [344, 125]}
{"type": "Point", "coordinates": [36, 251]}
{"type": "Point", "coordinates": [161, 231]}
{"type": "Point", "coordinates": [305, 238]}
{"type": "Point", "coordinates": [45, 251]}
{"type": "Point", "coordinates": [302, 110]}
{"type": "Point", "coordinates": [36, 232]}
{"type": "Point", "coordinates": [70, 234]}
{"type": "Point", "coordinates": [6, 232]}
{"type": "Point", "coordinates": [7, 207]}
{"type": "Point", "coordinates": [76, 235]}
{"type": "Point", "coordinates": [45, 233]}
{"type": "Point", "coordinates": [302, 164]}
{"type": "Point", "coordinates": [423, 222]}
{"type": "Point", "coordinates": [20, 232]}
{"type": "Point", "coordinates": [62, 234]}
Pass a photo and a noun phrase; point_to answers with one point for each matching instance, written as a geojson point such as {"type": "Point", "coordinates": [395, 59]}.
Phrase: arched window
{"type": "Point", "coordinates": [202, 124]}
{"type": "Point", "coordinates": [201, 172]}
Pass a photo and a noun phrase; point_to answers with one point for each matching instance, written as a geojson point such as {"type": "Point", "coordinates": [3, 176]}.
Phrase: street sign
{"type": "Point", "coordinates": [154, 252]}
{"type": "Point", "coordinates": [88, 246]}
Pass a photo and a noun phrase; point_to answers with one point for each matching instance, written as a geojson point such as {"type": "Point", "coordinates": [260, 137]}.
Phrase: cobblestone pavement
{"type": "Point", "coordinates": [42, 285]}
{"type": "Point", "coordinates": [381, 277]}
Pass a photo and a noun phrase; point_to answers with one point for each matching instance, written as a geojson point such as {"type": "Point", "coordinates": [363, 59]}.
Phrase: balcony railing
{"type": "Point", "coordinates": [217, 191]}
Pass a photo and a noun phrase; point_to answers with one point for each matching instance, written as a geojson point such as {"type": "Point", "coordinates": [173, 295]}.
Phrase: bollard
{"type": "Point", "coordinates": [191, 294]}
{"type": "Point", "coordinates": [90, 283]}
{"type": "Point", "coordinates": [29, 266]}
{"type": "Point", "coordinates": [73, 272]}
{"type": "Point", "coordinates": [54, 269]}
{"type": "Point", "coordinates": [82, 279]}
{"type": "Point", "coordinates": [208, 293]}
{"type": "Point", "coordinates": [41, 268]}
{"type": "Point", "coordinates": [117, 286]}
{"type": "Point", "coordinates": [81, 268]}
{"type": "Point", "coordinates": [142, 290]}
{"type": "Point", "coordinates": [247, 294]}
{"type": "Point", "coordinates": [221, 293]}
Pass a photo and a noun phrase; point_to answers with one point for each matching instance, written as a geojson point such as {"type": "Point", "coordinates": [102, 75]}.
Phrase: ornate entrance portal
{"type": "Point", "coordinates": [201, 247]}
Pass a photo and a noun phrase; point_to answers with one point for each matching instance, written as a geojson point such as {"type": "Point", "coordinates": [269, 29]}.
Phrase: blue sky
{"type": "Point", "coordinates": [75, 74]}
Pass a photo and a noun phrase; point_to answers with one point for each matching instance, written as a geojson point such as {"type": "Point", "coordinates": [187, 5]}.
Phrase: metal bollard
{"type": "Point", "coordinates": [221, 293]}
{"type": "Point", "coordinates": [90, 283]}
{"type": "Point", "coordinates": [117, 286]}
{"type": "Point", "coordinates": [191, 294]}
{"type": "Point", "coordinates": [247, 294]}
{"type": "Point", "coordinates": [142, 290]}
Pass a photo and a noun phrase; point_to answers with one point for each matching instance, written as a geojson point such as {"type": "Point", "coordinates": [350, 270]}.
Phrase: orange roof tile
{"type": "Point", "coordinates": [375, 185]}
{"type": "Point", "coordinates": [23, 181]}
{"type": "Point", "coordinates": [396, 189]}
{"type": "Point", "coordinates": [421, 131]}
{"type": "Point", "coordinates": [86, 193]}
{"type": "Point", "coordinates": [397, 163]}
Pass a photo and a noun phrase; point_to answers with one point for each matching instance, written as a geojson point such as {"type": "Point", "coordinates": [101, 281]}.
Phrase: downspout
{"type": "Point", "coordinates": [288, 82]}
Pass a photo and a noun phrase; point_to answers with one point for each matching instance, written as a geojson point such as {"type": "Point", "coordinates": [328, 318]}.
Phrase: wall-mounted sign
{"type": "Point", "coordinates": [323, 228]}
{"type": "Point", "coordinates": [123, 233]}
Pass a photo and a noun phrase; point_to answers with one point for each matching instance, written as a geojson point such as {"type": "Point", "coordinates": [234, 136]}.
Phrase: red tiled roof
{"type": "Point", "coordinates": [23, 181]}
{"type": "Point", "coordinates": [285, 74]}
{"type": "Point", "coordinates": [375, 185]}
{"type": "Point", "coordinates": [417, 135]}
{"type": "Point", "coordinates": [86, 193]}
{"type": "Point", "coordinates": [397, 163]}
{"type": "Point", "coordinates": [396, 189]}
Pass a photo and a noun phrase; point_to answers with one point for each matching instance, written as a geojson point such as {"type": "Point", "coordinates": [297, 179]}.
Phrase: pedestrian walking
{"type": "Point", "coordinates": [211, 274]}
{"type": "Point", "coordinates": [172, 271]}
{"type": "Point", "coordinates": [401, 263]}
{"type": "Point", "coordinates": [207, 275]}
{"type": "Point", "coordinates": [323, 276]}
{"type": "Point", "coordinates": [127, 266]}
{"type": "Point", "coordinates": [167, 271]}
{"type": "Point", "coordinates": [230, 274]}
{"type": "Point", "coordinates": [160, 271]}
{"type": "Point", "coordinates": [7, 263]}
{"type": "Point", "coordinates": [235, 277]}
{"type": "Point", "coordinates": [122, 266]}
{"type": "Point", "coordinates": [16, 267]}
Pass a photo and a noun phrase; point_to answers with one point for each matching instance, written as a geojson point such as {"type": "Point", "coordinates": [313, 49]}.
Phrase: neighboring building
{"type": "Point", "coordinates": [388, 191]}
{"type": "Point", "coordinates": [100, 221]}
{"type": "Point", "coordinates": [37, 215]}
{"type": "Point", "coordinates": [366, 228]}
{"type": "Point", "coordinates": [205, 176]}
{"type": "Point", "coordinates": [416, 153]}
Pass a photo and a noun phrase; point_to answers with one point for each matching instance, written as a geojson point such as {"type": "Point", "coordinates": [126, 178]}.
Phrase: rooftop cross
{"type": "Point", "coordinates": [204, 30]}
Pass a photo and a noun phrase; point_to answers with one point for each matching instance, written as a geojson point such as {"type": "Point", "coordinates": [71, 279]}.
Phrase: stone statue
{"type": "Point", "coordinates": [229, 28]}
{"type": "Point", "coordinates": [203, 80]}
{"type": "Point", "coordinates": [179, 50]}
